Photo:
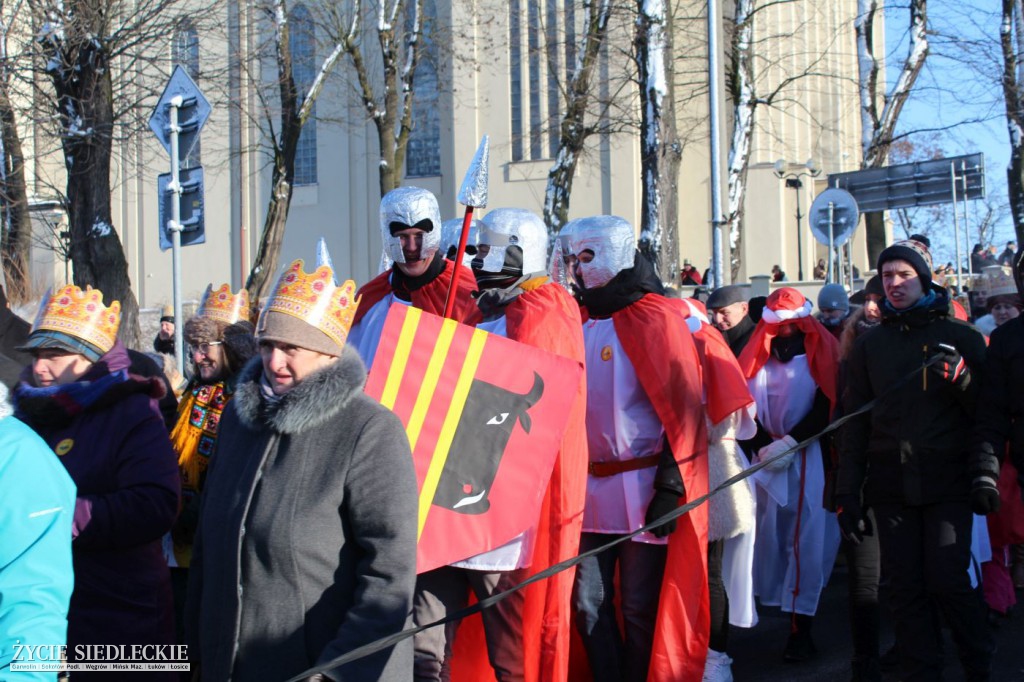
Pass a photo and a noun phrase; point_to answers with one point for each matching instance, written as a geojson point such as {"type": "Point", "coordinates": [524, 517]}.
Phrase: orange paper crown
{"type": "Point", "coordinates": [80, 314]}
{"type": "Point", "coordinates": [222, 305]}
{"type": "Point", "coordinates": [316, 300]}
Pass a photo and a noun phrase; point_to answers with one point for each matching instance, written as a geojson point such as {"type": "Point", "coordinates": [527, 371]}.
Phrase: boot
{"type": "Point", "coordinates": [718, 667]}
{"type": "Point", "coordinates": [800, 646]}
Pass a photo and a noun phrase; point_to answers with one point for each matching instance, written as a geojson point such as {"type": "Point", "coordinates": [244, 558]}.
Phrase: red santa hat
{"type": "Point", "coordinates": [788, 307]}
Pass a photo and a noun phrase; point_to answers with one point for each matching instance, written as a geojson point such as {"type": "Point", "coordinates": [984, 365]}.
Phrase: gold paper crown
{"type": "Point", "coordinates": [222, 305]}
{"type": "Point", "coordinates": [80, 314]}
{"type": "Point", "coordinates": [999, 281]}
{"type": "Point", "coordinates": [316, 300]}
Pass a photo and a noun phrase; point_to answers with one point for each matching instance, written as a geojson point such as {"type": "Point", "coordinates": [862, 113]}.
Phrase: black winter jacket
{"type": "Point", "coordinates": [1000, 416]}
{"type": "Point", "coordinates": [912, 447]}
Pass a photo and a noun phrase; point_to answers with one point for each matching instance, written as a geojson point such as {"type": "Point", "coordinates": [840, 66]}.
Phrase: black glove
{"type": "Point", "coordinates": [853, 523]}
{"type": "Point", "coordinates": [984, 474]}
{"type": "Point", "coordinates": [950, 366]}
{"type": "Point", "coordinates": [663, 502]}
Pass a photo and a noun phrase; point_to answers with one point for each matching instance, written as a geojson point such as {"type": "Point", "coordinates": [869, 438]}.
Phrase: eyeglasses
{"type": "Point", "coordinates": [203, 348]}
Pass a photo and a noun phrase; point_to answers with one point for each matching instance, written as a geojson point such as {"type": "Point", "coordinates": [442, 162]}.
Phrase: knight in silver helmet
{"type": "Point", "coordinates": [603, 246]}
{"type": "Point", "coordinates": [647, 450]}
{"type": "Point", "coordinates": [451, 232]}
{"type": "Point", "coordinates": [419, 275]}
{"type": "Point", "coordinates": [513, 248]}
{"type": "Point", "coordinates": [518, 301]}
{"type": "Point", "coordinates": [410, 226]}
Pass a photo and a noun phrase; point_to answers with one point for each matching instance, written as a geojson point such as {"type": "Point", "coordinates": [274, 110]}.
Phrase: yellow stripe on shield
{"type": "Point", "coordinates": [451, 422]}
{"type": "Point", "coordinates": [429, 385]}
{"type": "Point", "coordinates": [405, 339]}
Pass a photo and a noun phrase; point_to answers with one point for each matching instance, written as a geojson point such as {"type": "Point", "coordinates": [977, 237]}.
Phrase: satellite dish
{"type": "Point", "coordinates": [844, 216]}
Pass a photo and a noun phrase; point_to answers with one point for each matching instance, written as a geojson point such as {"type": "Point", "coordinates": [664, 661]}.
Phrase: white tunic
{"type": "Point", "coordinates": [365, 336]}
{"type": "Point", "coordinates": [517, 552]}
{"type": "Point", "coordinates": [787, 557]}
{"type": "Point", "coordinates": [621, 425]}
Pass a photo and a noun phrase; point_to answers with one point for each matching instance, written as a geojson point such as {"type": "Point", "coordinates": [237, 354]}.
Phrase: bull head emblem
{"type": "Point", "coordinates": [484, 428]}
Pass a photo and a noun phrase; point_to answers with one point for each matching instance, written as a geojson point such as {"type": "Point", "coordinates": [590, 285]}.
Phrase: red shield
{"type": "Point", "coordinates": [484, 416]}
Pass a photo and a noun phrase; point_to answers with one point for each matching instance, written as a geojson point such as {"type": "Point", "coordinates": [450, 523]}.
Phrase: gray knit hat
{"type": "Point", "coordinates": [833, 297]}
{"type": "Point", "coordinates": [285, 328]}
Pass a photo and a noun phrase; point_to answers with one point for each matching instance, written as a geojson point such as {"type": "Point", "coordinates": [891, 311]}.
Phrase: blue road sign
{"type": "Point", "coordinates": [193, 224]}
{"type": "Point", "coordinates": [193, 110]}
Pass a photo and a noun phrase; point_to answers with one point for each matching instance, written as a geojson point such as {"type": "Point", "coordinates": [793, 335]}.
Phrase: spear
{"type": "Point", "coordinates": [472, 194]}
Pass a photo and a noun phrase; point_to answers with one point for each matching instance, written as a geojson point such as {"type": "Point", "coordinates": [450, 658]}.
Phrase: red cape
{"type": "Point", "coordinates": [822, 352]}
{"type": "Point", "coordinates": [670, 376]}
{"type": "Point", "coordinates": [724, 382]}
{"type": "Point", "coordinates": [430, 297]}
{"type": "Point", "coordinates": [547, 318]}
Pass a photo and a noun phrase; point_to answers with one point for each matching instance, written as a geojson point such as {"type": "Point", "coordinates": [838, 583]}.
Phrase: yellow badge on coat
{"type": "Point", "coordinates": [606, 353]}
{"type": "Point", "coordinates": [64, 447]}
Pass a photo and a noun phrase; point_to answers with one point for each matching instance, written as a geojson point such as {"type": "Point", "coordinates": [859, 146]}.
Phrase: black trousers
{"type": "Point", "coordinates": [927, 551]}
{"type": "Point", "coordinates": [864, 564]}
{"type": "Point", "coordinates": [719, 600]}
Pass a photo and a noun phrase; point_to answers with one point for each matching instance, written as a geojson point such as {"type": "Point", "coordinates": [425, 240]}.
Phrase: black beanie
{"type": "Point", "coordinates": [913, 252]}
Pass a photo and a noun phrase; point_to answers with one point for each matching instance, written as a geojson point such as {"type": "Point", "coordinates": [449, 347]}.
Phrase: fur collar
{"type": "Point", "coordinates": [319, 398]}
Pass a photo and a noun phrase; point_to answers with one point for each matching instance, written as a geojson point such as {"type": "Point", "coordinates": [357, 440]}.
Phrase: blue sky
{"type": "Point", "coordinates": [957, 103]}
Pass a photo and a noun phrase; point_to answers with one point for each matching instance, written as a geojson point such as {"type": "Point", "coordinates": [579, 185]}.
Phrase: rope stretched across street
{"type": "Point", "coordinates": [384, 643]}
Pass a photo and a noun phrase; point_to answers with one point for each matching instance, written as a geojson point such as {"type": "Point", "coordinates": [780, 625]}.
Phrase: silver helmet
{"type": "Point", "coordinates": [407, 207]}
{"type": "Point", "coordinates": [559, 263]}
{"type": "Point", "coordinates": [451, 232]}
{"type": "Point", "coordinates": [600, 247]}
{"type": "Point", "coordinates": [513, 243]}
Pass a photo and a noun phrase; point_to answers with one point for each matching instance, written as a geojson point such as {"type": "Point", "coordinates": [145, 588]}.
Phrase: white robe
{"type": "Point", "coordinates": [621, 425]}
{"type": "Point", "coordinates": [787, 557]}
{"type": "Point", "coordinates": [365, 336]}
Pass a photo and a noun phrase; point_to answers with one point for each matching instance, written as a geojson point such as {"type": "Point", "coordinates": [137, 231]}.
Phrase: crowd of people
{"type": "Point", "coordinates": [265, 512]}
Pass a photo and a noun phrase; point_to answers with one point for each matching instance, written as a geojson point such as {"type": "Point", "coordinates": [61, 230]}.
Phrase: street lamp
{"type": "Point", "coordinates": [793, 181]}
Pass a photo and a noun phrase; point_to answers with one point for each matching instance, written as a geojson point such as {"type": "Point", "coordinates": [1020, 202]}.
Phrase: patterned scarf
{"type": "Point", "coordinates": [59, 404]}
{"type": "Point", "coordinates": [195, 433]}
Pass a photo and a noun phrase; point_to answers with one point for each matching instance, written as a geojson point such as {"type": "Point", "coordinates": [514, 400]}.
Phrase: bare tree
{"type": "Point", "coordinates": [574, 129]}
{"type": "Point", "coordinates": [743, 93]}
{"type": "Point", "coordinates": [879, 125]}
{"type": "Point", "coordinates": [388, 95]}
{"type": "Point", "coordinates": [767, 72]}
{"type": "Point", "coordinates": [16, 223]}
{"type": "Point", "coordinates": [1011, 38]}
{"type": "Point", "coordinates": [661, 149]}
{"type": "Point", "coordinates": [101, 64]}
{"type": "Point", "coordinates": [284, 123]}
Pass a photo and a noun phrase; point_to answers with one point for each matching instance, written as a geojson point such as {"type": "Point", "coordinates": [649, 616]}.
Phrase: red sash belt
{"type": "Point", "coordinates": [603, 469]}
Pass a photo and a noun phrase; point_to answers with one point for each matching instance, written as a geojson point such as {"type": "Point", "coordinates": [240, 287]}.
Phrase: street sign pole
{"type": "Point", "coordinates": [175, 228]}
{"type": "Point", "coordinates": [181, 98]}
{"type": "Point", "coordinates": [956, 231]}
{"type": "Point", "coordinates": [831, 276]}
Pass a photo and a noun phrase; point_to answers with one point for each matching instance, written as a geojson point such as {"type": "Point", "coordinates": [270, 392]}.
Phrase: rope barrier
{"type": "Point", "coordinates": [391, 640]}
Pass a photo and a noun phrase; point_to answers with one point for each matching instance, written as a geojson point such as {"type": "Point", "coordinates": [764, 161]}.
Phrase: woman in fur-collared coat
{"type": "Point", "coordinates": [306, 547]}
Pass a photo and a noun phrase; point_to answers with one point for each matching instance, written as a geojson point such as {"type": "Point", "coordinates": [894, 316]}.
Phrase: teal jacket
{"type": "Point", "coordinates": [37, 504]}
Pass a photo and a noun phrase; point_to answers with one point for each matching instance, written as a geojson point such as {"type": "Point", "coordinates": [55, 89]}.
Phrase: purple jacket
{"type": "Point", "coordinates": [114, 445]}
